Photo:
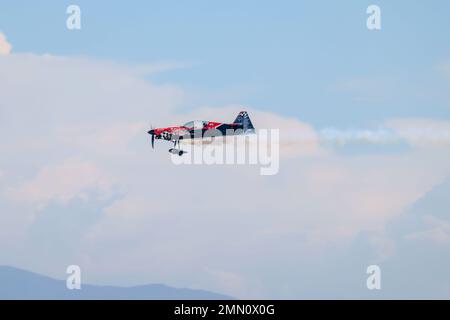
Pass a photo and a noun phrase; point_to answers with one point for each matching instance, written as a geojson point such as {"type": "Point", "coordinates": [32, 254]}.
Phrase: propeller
{"type": "Point", "coordinates": [152, 133]}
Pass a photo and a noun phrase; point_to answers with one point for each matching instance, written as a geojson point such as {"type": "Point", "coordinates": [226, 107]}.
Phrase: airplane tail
{"type": "Point", "coordinates": [244, 120]}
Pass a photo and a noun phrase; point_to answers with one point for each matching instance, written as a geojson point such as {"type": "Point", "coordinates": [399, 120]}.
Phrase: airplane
{"type": "Point", "coordinates": [201, 129]}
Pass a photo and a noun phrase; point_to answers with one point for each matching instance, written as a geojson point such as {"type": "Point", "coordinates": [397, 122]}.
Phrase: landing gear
{"type": "Point", "coordinates": [174, 150]}
{"type": "Point", "coordinates": [177, 151]}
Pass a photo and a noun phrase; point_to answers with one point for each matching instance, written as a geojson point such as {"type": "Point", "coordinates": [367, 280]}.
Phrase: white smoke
{"type": "Point", "coordinates": [422, 132]}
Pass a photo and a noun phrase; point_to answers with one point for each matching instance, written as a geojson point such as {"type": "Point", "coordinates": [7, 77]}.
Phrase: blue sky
{"type": "Point", "coordinates": [291, 57]}
{"type": "Point", "coordinates": [86, 187]}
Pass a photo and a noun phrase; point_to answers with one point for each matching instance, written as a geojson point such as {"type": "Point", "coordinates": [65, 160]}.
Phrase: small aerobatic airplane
{"type": "Point", "coordinates": [202, 129]}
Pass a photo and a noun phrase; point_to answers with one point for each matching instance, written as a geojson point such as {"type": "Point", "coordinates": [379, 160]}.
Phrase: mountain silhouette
{"type": "Point", "coordinates": [20, 284]}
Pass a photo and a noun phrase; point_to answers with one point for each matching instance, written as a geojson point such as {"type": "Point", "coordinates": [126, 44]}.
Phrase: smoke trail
{"type": "Point", "coordinates": [380, 136]}
{"type": "Point", "coordinates": [341, 137]}
{"type": "Point", "coordinates": [423, 136]}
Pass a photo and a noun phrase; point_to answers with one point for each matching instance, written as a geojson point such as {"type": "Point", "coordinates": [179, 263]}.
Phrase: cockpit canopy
{"type": "Point", "coordinates": [196, 124]}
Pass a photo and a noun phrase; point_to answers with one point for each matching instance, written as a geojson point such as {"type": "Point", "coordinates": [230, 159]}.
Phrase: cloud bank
{"type": "Point", "coordinates": [5, 46]}
{"type": "Point", "coordinates": [80, 184]}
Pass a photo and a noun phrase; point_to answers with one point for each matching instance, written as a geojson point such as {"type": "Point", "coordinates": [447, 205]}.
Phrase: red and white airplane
{"type": "Point", "coordinates": [199, 129]}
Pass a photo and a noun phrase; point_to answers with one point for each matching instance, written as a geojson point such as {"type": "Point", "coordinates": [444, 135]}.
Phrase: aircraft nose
{"type": "Point", "coordinates": [151, 132]}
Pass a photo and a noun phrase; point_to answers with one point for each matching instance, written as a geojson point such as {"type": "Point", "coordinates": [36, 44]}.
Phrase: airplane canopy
{"type": "Point", "coordinates": [196, 124]}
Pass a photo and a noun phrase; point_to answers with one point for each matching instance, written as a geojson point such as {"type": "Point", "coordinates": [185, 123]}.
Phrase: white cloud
{"type": "Point", "coordinates": [5, 46]}
{"type": "Point", "coordinates": [81, 127]}
{"type": "Point", "coordinates": [72, 179]}
{"type": "Point", "coordinates": [422, 132]}
{"type": "Point", "coordinates": [109, 140]}
{"type": "Point", "coordinates": [438, 231]}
